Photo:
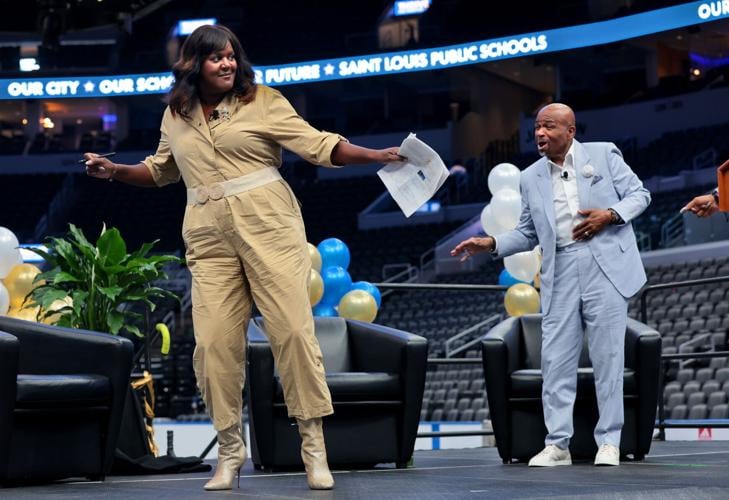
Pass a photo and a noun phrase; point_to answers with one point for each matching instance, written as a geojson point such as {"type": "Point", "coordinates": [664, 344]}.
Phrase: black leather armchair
{"type": "Point", "coordinates": [376, 376]}
{"type": "Point", "coordinates": [512, 359]}
{"type": "Point", "coordinates": [61, 399]}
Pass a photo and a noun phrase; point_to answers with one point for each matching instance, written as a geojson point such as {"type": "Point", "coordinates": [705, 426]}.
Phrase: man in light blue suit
{"type": "Point", "coordinates": [577, 204]}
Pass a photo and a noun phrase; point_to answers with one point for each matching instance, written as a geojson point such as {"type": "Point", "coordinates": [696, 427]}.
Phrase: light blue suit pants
{"type": "Point", "coordinates": [584, 301]}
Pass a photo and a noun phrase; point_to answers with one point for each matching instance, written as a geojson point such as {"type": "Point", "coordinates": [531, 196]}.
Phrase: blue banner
{"type": "Point", "coordinates": [573, 37]}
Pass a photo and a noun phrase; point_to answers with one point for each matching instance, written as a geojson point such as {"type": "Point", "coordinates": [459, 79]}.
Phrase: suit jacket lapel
{"type": "Point", "coordinates": [584, 184]}
{"type": "Point", "coordinates": [544, 184]}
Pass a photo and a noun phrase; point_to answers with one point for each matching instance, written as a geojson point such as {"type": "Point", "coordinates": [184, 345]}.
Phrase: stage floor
{"type": "Point", "coordinates": [675, 470]}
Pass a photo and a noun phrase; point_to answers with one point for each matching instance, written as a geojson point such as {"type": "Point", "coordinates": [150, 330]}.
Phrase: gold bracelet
{"type": "Point", "coordinates": [111, 176]}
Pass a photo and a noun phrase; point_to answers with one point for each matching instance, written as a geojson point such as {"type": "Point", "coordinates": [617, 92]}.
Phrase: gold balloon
{"type": "Point", "coordinates": [26, 313]}
{"type": "Point", "coordinates": [55, 306]}
{"type": "Point", "coordinates": [19, 283]}
{"type": "Point", "coordinates": [521, 299]}
{"type": "Point", "coordinates": [359, 305]}
{"type": "Point", "coordinates": [315, 257]}
{"type": "Point", "coordinates": [316, 288]}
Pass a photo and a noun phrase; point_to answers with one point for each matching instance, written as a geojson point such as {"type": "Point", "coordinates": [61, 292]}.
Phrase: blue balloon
{"type": "Point", "coordinates": [325, 310]}
{"type": "Point", "coordinates": [337, 282]}
{"type": "Point", "coordinates": [334, 252]}
{"type": "Point", "coordinates": [506, 279]}
{"type": "Point", "coordinates": [369, 288]}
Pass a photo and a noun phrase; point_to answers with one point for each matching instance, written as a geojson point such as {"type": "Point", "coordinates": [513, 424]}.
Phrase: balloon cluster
{"type": "Point", "coordinates": [331, 290]}
{"type": "Point", "coordinates": [500, 216]}
{"type": "Point", "coordinates": [17, 280]}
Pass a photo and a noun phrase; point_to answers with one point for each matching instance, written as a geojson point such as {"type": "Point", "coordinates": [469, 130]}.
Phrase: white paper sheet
{"type": "Point", "coordinates": [413, 182]}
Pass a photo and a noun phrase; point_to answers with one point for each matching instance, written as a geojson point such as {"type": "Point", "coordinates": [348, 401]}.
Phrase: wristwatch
{"type": "Point", "coordinates": [715, 194]}
{"type": "Point", "coordinates": [616, 219]}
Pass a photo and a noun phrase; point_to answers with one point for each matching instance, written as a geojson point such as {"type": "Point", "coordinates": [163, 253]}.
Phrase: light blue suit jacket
{"type": "Point", "coordinates": [612, 185]}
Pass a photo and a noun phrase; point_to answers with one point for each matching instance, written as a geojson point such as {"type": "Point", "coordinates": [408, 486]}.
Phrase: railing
{"type": "Point", "coordinates": [427, 260]}
{"type": "Point", "coordinates": [699, 340]}
{"type": "Point", "coordinates": [644, 241]}
{"type": "Point", "coordinates": [662, 424]}
{"type": "Point", "coordinates": [450, 352]}
{"type": "Point", "coordinates": [672, 233]}
{"type": "Point", "coordinates": [57, 209]}
{"type": "Point", "coordinates": [402, 271]}
{"type": "Point", "coordinates": [642, 296]}
{"type": "Point", "coordinates": [705, 159]}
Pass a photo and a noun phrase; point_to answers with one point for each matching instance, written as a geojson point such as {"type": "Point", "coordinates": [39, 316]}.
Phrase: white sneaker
{"type": "Point", "coordinates": [607, 455]}
{"type": "Point", "coordinates": [551, 456]}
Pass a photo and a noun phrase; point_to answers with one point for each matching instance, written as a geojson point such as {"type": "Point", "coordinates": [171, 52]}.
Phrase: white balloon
{"type": "Point", "coordinates": [523, 266]}
{"type": "Point", "coordinates": [489, 224]}
{"type": "Point", "coordinates": [4, 300]}
{"type": "Point", "coordinates": [506, 207]}
{"type": "Point", "coordinates": [9, 253]}
{"type": "Point", "coordinates": [504, 176]}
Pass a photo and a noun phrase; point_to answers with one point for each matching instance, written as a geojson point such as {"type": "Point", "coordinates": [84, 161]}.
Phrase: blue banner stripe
{"type": "Point", "coordinates": [573, 37]}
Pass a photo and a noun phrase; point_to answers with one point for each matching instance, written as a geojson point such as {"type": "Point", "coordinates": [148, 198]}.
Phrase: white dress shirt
{"type": "Point", "coordinates": [566, 198]}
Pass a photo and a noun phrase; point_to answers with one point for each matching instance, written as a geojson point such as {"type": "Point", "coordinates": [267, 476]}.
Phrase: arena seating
{"type": "Point", "coordinates": [12, 141]}
{"type": "Point", "coordinates": [692, 319]}
{"type": "Point", "coordinates": [141, 214]}
{"type": "Point", "coordinates": [25, 200]}
{"type": "Point", "coordinates": [689, 319]}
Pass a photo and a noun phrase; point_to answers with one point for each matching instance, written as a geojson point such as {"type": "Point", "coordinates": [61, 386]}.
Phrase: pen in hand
{"type": "Point", "coordinates": [107, 155]}
{"type": "Point", "coordinates": [686, 208]}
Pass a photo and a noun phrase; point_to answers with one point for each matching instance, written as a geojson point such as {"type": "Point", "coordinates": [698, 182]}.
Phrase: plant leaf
{"type": "Point", "coordinates": [115, 321]}
{"type": "Point", "coordinates": [112, 248]}
{"type": "Point", "coordinates": [78, 239]}
{"type": "Point", "coordinates": [111, 292]}
{"type": "Point", "coordinates": [45, 255]}
{"type": "Point", "coordinates": [49, 297]}
{"type": "Point", "coordinates": [134, 330]}
{"type": "Point", "coordinates": [63, 277]}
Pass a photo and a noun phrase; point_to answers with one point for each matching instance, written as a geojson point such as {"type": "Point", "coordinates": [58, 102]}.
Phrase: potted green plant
{"type": "Point", "coordinates": [101, 280]}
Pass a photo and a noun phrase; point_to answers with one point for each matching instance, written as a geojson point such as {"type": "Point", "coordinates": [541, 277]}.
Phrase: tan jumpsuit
{"type": "Point", "coordinates": [247, 247]}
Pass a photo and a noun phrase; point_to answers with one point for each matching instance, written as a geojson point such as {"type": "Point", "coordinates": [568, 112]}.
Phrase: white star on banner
{"type": "Point", "coordinates": [89, 86]}
{"type": "Point", "coordinates": [329, 69]}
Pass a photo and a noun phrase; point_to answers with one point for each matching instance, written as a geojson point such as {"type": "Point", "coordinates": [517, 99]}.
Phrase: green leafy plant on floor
{"type": "Point", "coordinates": [102, 281]}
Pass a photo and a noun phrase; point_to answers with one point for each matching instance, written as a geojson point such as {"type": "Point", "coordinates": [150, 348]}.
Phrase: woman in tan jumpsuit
{"type": "Point", "coordinates": [244, 234]}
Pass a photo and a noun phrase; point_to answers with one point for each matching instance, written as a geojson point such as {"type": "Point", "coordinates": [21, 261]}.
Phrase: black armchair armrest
{"type": "Point", "coordinates": [501, 350]}
{"type": "Point", "coordinates": [372, 350]}
{"type": "Point", "coordinates": [640, 340]}
{"type": "Point", "coordinates": [646, 344]}
{"type": "Point", "coordinates": [46, 349]}
{"type": "Point", "coordinates": [9, 348]}
{"type": "Point", "coordinates": [504, 339]}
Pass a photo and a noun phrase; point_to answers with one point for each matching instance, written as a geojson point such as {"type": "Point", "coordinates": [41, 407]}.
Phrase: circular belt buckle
{"type": "Point", "coordinates": [201, 195]}
{"type": "Point", "coordinates": [216, 191]}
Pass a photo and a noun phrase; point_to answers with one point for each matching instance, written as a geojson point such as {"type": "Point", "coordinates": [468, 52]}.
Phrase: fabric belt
{"type": "Point", "coordinates": [572, 247]}
{"type": "Point", "coordinates": [217, 190]}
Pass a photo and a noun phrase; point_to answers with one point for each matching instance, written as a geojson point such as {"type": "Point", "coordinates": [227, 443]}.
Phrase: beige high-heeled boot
{"type": "Point", "coordinates": [231, 457]}
{"type": "Point", "coordinates": [314, 454]}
